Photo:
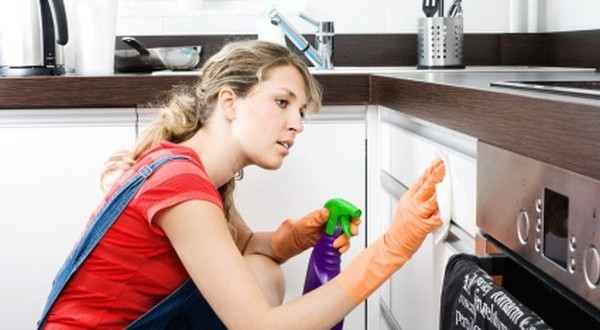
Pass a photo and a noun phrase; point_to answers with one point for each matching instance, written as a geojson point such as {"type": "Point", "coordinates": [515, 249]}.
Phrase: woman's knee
{"type": "Point", "coordinates": [269, 276]}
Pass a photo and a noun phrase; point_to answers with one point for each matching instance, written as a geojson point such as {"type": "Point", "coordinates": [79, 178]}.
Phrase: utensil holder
{"type": "Point", "coordinates": [440, 43]}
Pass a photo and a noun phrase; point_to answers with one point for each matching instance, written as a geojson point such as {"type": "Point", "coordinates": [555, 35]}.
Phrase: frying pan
{"type": "Point", "coordinates": [142, 59]}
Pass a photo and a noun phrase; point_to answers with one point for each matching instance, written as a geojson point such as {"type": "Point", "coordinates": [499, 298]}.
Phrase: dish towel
{"type": "Point", "coordinates": [472, 300]}
{"type": "Point", "coordinates": [443, 192]}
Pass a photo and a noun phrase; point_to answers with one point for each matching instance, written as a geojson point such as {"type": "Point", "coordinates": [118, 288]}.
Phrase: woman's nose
{"type": "Point", "coordinates": [296, 124]}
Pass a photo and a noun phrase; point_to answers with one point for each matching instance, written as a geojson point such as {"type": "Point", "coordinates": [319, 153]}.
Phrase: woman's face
{"type": "Point", "coordinates": [269, 118]}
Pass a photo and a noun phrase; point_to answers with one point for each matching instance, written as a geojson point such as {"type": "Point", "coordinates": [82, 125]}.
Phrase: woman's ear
{"type": "Point", "coordinates": [227, 103]}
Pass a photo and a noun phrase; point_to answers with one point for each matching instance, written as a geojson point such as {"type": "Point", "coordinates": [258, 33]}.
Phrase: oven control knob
{"type": "Point", "coordinates": [591, 266]}
{"type": "Point", "coordinates": [573, 243]}
{"type": "Point", "coordinates": [538, 205]}
{"type": "Point", "coordinates": [523, 226]}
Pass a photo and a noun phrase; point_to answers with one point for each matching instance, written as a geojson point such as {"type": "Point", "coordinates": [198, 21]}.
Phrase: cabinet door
{"type": "Point", "coordinates": [407, 299]}
{"type": "Point", "coordinates": [49, 185]}
{"type": "Point", "coordinates": [327, 161]}
{"type": "Point", "coordinates": [411, 298]}
{"type": "Point", "coordinates": [411, 145]}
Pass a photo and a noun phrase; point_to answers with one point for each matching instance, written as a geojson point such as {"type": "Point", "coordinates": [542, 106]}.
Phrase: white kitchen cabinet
{"type": "Point", "coordinates": [327, 161]}
{"type": "Point", "coordinates": [49, 185]}
{"type": "Point", "coordinates": [410, 145]}
{"type": "Point", "coordinates": [411, 298]}
{"type": "Point", "coordinates": [405, 147]}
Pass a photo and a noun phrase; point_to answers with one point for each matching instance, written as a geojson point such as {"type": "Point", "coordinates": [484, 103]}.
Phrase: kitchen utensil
{"type": "Point", "coordinates": [430, 7]}
{"type": "Point", "coordinates": [440, 43]}
{"type": "Point", "coordinates": [179, 58]}
{"type": "Point", "coordinates": [142, 51]}
{"type": "Point", "coordinates": [32, 33]}
{"type": "Point", "coordinates": [441, 12]}
{"type": "Point", "coordinates": [455, 9]}
{"type": "Point", "coordinates": [142, 59]}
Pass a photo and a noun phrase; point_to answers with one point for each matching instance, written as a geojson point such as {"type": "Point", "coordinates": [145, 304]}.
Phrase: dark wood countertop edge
{"type": "Point", "coordinates": [514, 122]}
{"type": "Point", "coordinates": [560, 133]}
{"type": "Point", "coordinates": [132, 90]}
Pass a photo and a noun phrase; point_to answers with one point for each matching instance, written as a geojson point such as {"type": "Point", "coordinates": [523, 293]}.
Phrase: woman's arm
{"type": "Point", "coordinates": [199, 233]}
{"type": "Point", "coordinates": [217, 267]}
{"type": "Point", "coordinates": [292, 237]}
{"type": "Point", "coordinates": [247, 241]}
{"type": "Point", "coordinates": [243, 232]}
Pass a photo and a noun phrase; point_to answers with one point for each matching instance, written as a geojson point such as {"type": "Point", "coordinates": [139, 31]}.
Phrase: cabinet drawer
{"type": "Point", "coordinates": [406, 154]}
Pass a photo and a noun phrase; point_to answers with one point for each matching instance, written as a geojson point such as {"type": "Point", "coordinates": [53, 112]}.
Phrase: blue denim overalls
{"type": "Point", "coordinates": [185, 308]}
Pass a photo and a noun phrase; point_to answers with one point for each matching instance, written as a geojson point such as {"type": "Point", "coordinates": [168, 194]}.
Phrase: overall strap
{"type": "Point", "coordinates": [105, 218]}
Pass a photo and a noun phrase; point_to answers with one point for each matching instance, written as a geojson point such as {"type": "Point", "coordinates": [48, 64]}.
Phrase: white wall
{"type": "Point", "coordinates": [157, 17]}
{"type": "Point", "coordinates": [564, 15]}
{"type": "Point", "coordinates": [165, 17]}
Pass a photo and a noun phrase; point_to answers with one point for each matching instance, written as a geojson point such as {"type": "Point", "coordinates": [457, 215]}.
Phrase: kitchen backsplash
{"type": "Point", "coordinates": [381, 32]}
{"type": "Point", "coordinates": [550, 49]}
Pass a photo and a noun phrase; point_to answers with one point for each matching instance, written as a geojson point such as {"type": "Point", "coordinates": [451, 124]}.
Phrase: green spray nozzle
{"type": "Point", "coordinates": [340, 214]}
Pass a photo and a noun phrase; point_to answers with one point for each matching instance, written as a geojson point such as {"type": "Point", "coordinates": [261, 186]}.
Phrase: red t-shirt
{"type": "Point", "coordinates": [134, 266]}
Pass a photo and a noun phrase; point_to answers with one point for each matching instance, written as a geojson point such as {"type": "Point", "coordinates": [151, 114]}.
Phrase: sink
{"type": "Point", "coordinates": [583, 88]}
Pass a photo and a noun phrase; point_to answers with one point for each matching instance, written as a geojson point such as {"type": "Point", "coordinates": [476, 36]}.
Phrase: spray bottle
{"type": "Point", "coordinates": [325, 260]}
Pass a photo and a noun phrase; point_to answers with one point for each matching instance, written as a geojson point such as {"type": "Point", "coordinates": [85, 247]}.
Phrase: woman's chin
{"type": "Point", "coordinates": [272, 165]}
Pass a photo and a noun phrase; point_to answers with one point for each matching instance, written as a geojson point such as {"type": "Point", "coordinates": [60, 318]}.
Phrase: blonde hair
{"type": "Point", "coordinates": [240, 66]}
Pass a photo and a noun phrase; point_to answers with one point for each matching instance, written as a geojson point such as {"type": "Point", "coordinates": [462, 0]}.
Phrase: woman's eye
{"type": "Point", "coordinates": [282, 103]}
{"type": "Point", "coordinates": [302, 113]}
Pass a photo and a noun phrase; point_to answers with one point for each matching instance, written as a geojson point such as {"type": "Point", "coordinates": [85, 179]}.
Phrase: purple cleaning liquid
{"type": "Point", "coordinates": [324, 264]}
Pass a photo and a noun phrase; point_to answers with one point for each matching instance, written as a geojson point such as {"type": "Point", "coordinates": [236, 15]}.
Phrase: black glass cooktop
{"type": "Point", "coordinates": [584, 88]}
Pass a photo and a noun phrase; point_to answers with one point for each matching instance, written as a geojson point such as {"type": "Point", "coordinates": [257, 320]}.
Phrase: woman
{"type": "Point", "coordinates": [246, 110]}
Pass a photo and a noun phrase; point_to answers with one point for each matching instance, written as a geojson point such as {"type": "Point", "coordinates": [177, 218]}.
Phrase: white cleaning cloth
{"type": "Point", "coordinates": [443, 192]}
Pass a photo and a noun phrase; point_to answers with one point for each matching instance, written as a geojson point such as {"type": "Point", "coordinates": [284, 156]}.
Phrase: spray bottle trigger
{"type": "Point", "coordinates": [346, 228]}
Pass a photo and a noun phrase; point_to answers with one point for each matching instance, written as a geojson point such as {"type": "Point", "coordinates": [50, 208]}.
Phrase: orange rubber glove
{"type": "Point", "coordinates": [416, 216]}
{"type": "Point", "coordinates": [295, 236]}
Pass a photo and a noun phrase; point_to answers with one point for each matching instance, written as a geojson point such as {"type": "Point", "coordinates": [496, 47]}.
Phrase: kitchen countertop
{"type": "Point", "coordinates": [558, 129]}
{"type": "Point", "coordinates": [138, 90]}
{"type": "Point", "coordinates": [481, 80]}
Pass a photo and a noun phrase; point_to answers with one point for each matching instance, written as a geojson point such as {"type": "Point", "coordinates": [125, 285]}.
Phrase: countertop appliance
{"type": "Point", "coordinates": [32, 34]}
{"type": "Point", "coordinates": [546, 220]}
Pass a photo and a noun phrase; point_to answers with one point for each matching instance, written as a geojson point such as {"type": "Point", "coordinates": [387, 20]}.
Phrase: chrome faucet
{"type": "Point", "coordinates": [321, 58]}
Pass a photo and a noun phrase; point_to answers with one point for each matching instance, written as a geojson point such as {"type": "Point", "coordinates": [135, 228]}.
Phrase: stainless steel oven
{"type": "Point", "coordinates": [545, 220]}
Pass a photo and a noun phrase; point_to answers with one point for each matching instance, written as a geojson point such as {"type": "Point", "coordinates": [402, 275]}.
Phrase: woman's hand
{"type": "Point", "coordinates": [417, 212]}
{"type": "Point", "coordinates": [416, 216]}
{"type": "Point", "coordinates": [295, 236]}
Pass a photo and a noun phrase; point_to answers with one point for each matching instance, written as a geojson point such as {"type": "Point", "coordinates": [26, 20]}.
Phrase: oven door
{"type": "Point", "coordinates": [526, 286]}
{"type": "Point", "coordinates": [543, 219]}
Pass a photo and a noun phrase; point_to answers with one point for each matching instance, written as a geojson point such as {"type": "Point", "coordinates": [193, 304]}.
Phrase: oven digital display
{"type": "Point", "coordinates": [556, 224]}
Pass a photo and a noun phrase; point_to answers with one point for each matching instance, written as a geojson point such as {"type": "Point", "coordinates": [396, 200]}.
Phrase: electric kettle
{"type": "Point", "coordinates": [32, 33]}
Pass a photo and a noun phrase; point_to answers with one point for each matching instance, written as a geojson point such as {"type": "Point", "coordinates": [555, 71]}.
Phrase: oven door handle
{"type": "Point", "coordinates": [459, 240]}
